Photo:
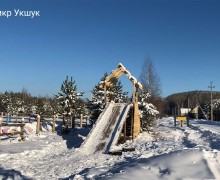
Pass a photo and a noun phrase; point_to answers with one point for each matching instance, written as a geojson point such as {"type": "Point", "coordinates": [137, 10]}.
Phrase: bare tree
{"type": "Point", "coordinates": [149, 79]}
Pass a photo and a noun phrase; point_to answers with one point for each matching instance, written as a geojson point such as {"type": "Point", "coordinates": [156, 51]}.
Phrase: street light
{"type": "Point", "coordinates": [211, 87]}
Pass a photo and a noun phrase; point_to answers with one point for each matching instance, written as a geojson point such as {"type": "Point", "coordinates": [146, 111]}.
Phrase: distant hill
{"type": "Point", "coordinates": [216, 94]}
{"type": "Point", "coordinates": [189, 99]}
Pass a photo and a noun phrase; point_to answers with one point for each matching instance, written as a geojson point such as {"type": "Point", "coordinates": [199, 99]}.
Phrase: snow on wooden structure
{"type": "Point", "coordinates": [109, 81]}
{"type": "Point", "coordinates": [38, 126]}
{"type": "Point", "coordinates": [14, 132]}
{"type": "Point", "coordinates": [107, 130]}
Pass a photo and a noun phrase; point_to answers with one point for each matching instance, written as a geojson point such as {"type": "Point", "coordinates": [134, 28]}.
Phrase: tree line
{"type": "Point", "coordinates": [68, 102]}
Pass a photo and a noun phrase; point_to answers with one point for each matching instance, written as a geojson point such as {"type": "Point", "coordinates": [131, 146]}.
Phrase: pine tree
{"type": "Point", "coordinates": [114, 93]}
{"type": "Point", "coordinates": [18, 105]}
{"type": "Point", "coordinates": [81, 107]}
{"type": "Point", "coordinates": [67, 100]}
{"type": "Point", "coordinates": [40, 107]}
{"type": "Point", "coordinates": [7, 103]}
{"type": "Point", "coordinates": [148, 111]}
{"type": "Point", "coordinates": [54, 106]}
{"type": "Point", "coordinates": [97, 104]}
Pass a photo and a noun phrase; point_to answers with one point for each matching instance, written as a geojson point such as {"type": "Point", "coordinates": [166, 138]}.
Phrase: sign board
{"type": "Point", "coordinates": [181, 118]}
{"type": "Point", "coordinates": [184, 111]}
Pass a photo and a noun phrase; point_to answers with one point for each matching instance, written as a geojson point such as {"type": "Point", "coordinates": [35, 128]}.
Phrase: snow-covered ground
{"type": "Point", "coordinates": [167, 153]}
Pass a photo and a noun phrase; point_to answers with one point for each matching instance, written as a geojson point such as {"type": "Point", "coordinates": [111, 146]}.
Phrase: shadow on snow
{"type": "Point", "coordinates": [74, 138]}
{"type": "Point", "coordinates": [11, 174]}
{"type": "Point", "coordinates": [212, 138]}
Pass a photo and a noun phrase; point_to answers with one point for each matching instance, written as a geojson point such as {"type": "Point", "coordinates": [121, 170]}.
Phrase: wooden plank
{"type": "Point", "coordinates": [117, 153]}
{"type": "Point", "coordinates": [10, 134]}
{"type": "Point", "coordinates": [137, 124]}
{"type": "Point", "coordinates": [12, 124]}
{"type": "Point", "coordinates": [128, 149]}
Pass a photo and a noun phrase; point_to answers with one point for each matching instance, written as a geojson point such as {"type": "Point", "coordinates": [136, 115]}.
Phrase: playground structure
{"type": "Point", "coordinates": [118, 121]}
{"type": "Point", "coordinates": [116, 74]}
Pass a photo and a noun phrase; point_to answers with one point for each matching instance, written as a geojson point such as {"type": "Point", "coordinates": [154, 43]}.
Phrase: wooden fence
{"type": "Point", "coordinates": [21, 132]}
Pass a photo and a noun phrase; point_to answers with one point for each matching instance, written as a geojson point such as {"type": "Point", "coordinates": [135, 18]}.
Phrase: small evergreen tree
{"type": "Point", "coordinates": [97, 104]}
{"type": "Point", "coordinates": [7, 103]}
{"type": "Point", "coordinates": [40, 107]}
{"type": "Point", "coordinates": [54, 106]}
{"type": "Point", "coordinates": [67, 100]}
{"type": "Point", "coordinates": [81, 107]}
{"type": "Point", "coordinates": [114, 93]}
{"type": "Point", "coordinates": [216, 109]}
{"type": "Point", "coordinates": [147, 110]}
{"type": "Point", "coordinates": [18, 105]}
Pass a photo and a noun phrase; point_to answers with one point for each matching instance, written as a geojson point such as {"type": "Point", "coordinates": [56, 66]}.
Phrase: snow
{"type": "Point", "coordinates": [127, 73]}
{"type": "Point", "coordinates": [133, 79]}
{"type": "Point", "coordinates": [167, 153]}
{"type": "Point", "coordinates": [118, 129]}
{"type": "Point", "coordinates": [99, 136]}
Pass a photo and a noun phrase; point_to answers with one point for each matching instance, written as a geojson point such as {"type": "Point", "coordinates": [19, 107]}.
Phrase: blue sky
{"type": "Point", "coordinates": [85, 39]}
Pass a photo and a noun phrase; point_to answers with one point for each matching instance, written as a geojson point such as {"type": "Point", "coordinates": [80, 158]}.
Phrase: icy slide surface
{"type": "Point", "coordinates": [106, 131]}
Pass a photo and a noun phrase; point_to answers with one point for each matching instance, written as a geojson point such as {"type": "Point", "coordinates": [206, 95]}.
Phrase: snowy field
{"type": "Point", "coordinates": [184, 153]}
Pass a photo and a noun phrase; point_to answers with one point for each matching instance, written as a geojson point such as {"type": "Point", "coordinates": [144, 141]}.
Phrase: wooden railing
{"type": "Point", "coordinates": [21, 132]}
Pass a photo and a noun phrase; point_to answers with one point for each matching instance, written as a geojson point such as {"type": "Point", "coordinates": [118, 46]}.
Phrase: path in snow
{"type": "Point", "coordinates": [184, 153]}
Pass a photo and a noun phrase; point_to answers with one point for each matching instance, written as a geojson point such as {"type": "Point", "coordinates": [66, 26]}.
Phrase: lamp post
{"type": "Point", "coordinates": [211, 87]}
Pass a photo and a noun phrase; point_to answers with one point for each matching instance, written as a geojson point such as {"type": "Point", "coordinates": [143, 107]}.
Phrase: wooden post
{"type": "Point", "coordinates": [105, 95]}
{"type": "Point", "coordinates": [132, 112]}
{"type": "Point", "coordinates": [7, 119]}
{"type": "Point", "coordinates": [125, 131]}
{"type": "Point", "coordinates": [54, 120]}
{"type": "Point", "coordinates": [73, 121]}
{"type": "Point", "coordinates": [81, 120]}
{"type": "Point", "coordinates": [187, 121]}
{"type": "Point", "coordinates": [132, 122]}
{"type": "Point", "coordinates": [133, 94]}
{"type": "Point", "coordinates": [1, 120]}
{"type": "Point", "coordinates": [70, 121]}
{"type": "Point", "coordinates": [22, 131]}
{"type": "Point", "coordinates": [175, 121]}
{"type": "Point", "coordinates": [38, 125]}
{"type": "Point", "coordinates": [86, 121]}
{"type": "Point", "coordinates": [136, 114]}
